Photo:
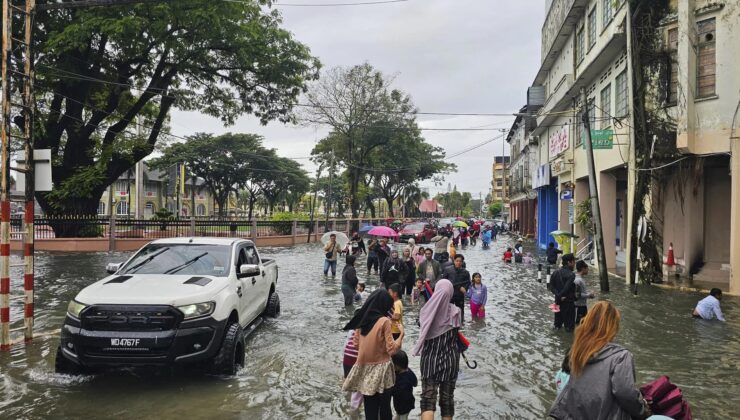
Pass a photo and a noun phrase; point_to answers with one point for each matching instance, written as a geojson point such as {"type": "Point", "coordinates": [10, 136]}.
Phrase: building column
{"type": "Point", "coordinates": [608, 202]}
{"type": "Point", "coordinates": [735, 221]}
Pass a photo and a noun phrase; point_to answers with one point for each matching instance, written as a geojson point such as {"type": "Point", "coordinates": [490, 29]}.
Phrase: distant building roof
{"type": "Point", "coordinates": [430, 206]}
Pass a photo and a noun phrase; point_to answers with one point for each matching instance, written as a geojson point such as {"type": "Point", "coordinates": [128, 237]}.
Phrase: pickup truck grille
{"type": "Point", "coordinates": [130, 318]}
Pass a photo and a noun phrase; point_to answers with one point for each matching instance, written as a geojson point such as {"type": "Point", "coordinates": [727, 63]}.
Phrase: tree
{"type": "Point", "coordinates": [455, 202]}
{"type": "Point", "coordinates": [363, 113]}
{"type": "Point", "coordinates": [494, 209]}
{"type": "Point", "coordinates": [225, 162]}
{"type": "Point", "coordinates": [102, 69]}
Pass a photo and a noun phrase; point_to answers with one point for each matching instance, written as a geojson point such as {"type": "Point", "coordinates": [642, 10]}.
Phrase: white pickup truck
{"type": "Point", "coordinates": [176, 301]}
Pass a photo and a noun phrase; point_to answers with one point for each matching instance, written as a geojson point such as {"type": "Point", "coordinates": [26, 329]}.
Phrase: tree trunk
{"type": "Point", "coordinates": [390, 206]}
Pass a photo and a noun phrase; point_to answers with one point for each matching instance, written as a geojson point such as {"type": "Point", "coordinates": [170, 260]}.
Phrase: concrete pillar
{"type": "Point", "coordinates": [686, 58]}
{"type": "Point", "coordinates": [693, 212]}
{"type": "Point", "coordinates": [735, 222]}
{"type": "Point", "coordinates": [608, 202]}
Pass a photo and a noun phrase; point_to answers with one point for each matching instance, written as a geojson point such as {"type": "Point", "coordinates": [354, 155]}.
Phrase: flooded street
{"type": "Point", "coordinates": [293, 367]}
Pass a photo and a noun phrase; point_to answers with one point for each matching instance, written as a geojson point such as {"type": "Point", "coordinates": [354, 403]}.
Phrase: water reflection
{"type": "Point", "coordinates": [293, 368]}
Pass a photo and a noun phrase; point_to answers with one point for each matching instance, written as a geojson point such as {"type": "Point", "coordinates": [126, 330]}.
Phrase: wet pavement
{"type": "Point", "coordinates": [293, 367]}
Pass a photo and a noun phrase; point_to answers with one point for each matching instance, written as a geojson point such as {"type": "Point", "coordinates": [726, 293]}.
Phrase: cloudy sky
{"type": "Point", "coordinates": [451, 56]}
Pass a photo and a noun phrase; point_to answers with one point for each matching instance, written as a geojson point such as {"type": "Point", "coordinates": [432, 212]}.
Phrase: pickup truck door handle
{"type": "Point", "coordinates": [239, 291]}
{"type": "Point", "coordinates": [263, 273]}
{"type": "Point", "coordinates": [254, 280]}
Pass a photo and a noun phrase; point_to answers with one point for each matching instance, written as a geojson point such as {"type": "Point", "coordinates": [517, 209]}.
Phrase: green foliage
{"type": "Point", "coordinates": [108, 77]}
{"type": "Point", "coordinates": [91, 231]}
{"type": "Point", "coordinates": [584, 216]}
{"type": "Point", "coordinates": [374, 137]}
{"type": "Point", "coordinates": [455, 203]}
{"type": "Point", "coordinates": [285, 216]}
{"type": "Point", "coordinates": [494, 209]}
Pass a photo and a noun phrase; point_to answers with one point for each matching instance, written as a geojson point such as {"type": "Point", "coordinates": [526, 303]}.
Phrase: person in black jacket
{"type": "Point", "coordinates": [562, 283]}
{"type": "Point", "coordinates": [393, 270]}
{"type": "Point", "coordinates": [403, 390]}
{"type": "Point", "coordinates": [460, 278]}
{"type": "Point", "coordinates": [349, 280]}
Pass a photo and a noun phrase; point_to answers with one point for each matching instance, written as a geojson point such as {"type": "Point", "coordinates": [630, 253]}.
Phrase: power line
{"type": "Point", "coordinates": [362, 3]}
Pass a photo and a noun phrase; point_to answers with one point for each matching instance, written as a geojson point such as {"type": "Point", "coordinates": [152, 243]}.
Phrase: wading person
{"type": "Point", "coordinates": [563, 287]}
{"type": "Point", "coordinates": [383, 251]}
{"type": "Point", "coordinates": [373, 374]}
{"type": "Point", "coordinates": [602, 374]}
{"type": "Point", "coordinates": [330, 253]}
{"type": "Point", "coordinates": [393, 270]}
{"type": "Point", "coordinates": [349, 280]}
{"type": "Point", "coordinates": [478, 295]}
{"type": "Point", "coordinates": [440, 249]}
{"type": "Point", "coordinates": [708, 308]}
{"type": "Point", "coordinates": [439, 321]}
{"type": "Point", "coordinates": [582, 294]}
{"type": "Point", "coordinates": [552, 253]}
{"type": "Point", "coordinates": [429, 269]}
{"type": "Point", "coordinates": [372, 256]}
{"type": "Point", "coordinates": [410, 273]}
{"type": "Point", "coordinates": [397, 317]}
{"type": "Point", "coordinates": [355, 246]}
{"type": "Point", "coordinates": [461, 283]}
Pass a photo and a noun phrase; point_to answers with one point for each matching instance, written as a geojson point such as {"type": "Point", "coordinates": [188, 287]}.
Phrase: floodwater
{"type": "Point", "coordinates": [293, 367]}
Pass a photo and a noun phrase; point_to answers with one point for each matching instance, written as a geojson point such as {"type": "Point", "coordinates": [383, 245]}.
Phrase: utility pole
{"type": "Point", "coordinates": [594, 193]}
{"type": "Point", "coordinates": [313, 203]}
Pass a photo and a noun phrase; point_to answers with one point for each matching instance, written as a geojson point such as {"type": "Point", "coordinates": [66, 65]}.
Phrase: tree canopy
{"type": "Point", "coordinates": [374, 136]}
{"type": "Point", "coordinates": [108, 77]}
{"type": "Point", "coordinates": [238, 163]}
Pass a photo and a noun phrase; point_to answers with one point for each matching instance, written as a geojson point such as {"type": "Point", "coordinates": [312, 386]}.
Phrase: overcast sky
{"type": "Point", "coordinates": [457, 56]}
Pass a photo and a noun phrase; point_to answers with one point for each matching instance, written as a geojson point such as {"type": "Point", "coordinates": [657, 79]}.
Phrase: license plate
{"type": "Point", "coordinates": [125, 342]}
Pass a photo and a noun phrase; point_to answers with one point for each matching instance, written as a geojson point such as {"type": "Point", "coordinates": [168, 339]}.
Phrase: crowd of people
{"type": "Point", "coordinates": [596, 377]}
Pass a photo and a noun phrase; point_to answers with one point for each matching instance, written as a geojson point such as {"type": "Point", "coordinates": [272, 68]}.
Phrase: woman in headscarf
{"type": "Point", "coordinates": [410, 275]}
{"type": "Point", "coordinates": [373, 375]}
{"type": "Point", "coordinates": [439, 322]}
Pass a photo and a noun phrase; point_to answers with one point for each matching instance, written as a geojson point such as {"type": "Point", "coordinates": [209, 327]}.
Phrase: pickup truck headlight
{"type": "Point", "coordinates": [74, 308]}
{"type": "Point", "coordinates": [197, 309]}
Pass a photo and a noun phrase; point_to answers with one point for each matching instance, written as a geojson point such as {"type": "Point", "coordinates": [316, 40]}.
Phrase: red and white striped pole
{"type": "Point", "coordinates": [5, 182]}
{"type": "Point", "coordinates": [28, 272]}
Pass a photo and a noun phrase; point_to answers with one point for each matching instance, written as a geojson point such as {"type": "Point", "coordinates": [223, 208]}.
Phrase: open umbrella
{"type": "Point", "coordinates": [366, 228]}
{"type": "Point", "coordinates": [382, 231]}
{"type": "Point", "coordinates": [563, 233]}
{"type": "Point", "coordinates": [342, 239]}
{"type": "Point", "coordinates": [459, 218]}
{"type": "Point", "coordinates": [397, 222]}
{"type": "Point", "coordinates": [460, 223]}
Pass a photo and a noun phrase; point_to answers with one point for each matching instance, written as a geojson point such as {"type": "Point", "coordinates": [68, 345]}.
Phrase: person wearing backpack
{"type": "Point", "coordinates": [602, 373]}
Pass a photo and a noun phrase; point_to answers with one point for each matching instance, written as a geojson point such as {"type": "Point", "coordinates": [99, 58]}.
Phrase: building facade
{"type": "Point", "coordinates": [523, 199]}
{"type": "Point", "coordinates": [141, 192]}
{"type": "Point", "coordinates": [586, 70]}
{"type": "Point", "coordinates": [500, 182]}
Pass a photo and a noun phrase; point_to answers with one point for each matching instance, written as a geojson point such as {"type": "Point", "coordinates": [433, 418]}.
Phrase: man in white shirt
{"type": "Point", "coordinates": [708, 308]}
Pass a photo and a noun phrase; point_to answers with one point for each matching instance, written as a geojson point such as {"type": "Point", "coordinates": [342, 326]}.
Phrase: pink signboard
{"type": "Point", "coordinates": [559, 142]}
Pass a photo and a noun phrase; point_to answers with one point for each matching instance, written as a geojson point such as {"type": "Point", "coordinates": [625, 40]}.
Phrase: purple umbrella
{"type": "Point", "coordinates": [382, 231]}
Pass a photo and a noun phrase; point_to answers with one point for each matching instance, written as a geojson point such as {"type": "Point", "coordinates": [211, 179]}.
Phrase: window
{"type": "Point", "coordinates": [580, 45]}
{"type": "Point", "coordinates": [121, 186]}
{"type": "Point", "coordinates": [101, 208]}
{"type": "Point", "coordinates": [606, 106]}
{"type": "Point", "coordinates": [149, 210]}
{"type": "Point", "coordinates": [672, 91]}
{"type": "Point", "coordinates": [122, 208]}
{"type": "Point", "coordinates": [592, 27]}
{"type": "Point", "coordinates": [607, 11]}
{"type": "Point", "coordinates": [200, 210]}
{"type": "Point", "coordinates": [706, 62]}
{"type": "Point", "coordinates": [151, 187]}
{"type": "Point", "coordinates": [620, 96]}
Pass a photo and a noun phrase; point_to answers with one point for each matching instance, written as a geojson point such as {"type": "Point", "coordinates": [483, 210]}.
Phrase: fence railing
{"type": "Point", "coordinates": [127, 228]}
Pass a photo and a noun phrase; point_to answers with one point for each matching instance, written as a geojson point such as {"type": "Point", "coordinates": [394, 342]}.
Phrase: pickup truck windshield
{"type": "Point", "coordinates": [187, 259]}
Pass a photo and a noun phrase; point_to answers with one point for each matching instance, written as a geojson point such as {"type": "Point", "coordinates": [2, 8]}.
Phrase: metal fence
{"type": "Point", "coordinates": [127, 228]}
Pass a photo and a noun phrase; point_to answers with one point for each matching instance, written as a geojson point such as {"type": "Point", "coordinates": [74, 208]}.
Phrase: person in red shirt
{"type": "Point", "coordinates": [508, 255]}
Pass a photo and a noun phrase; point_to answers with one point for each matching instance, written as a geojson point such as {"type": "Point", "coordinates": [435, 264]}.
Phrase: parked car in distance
{"type": "Point", "coordinates": [420, 232]}
{"type": "Point", "coordinates": [178, 301]}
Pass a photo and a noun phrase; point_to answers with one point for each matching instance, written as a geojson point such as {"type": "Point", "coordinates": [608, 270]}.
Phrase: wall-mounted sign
{"type": "Point", "coordinates": [541, 176]}
{"type": "Point", "coordinates": [571, 214]}
{"type": "Point", "coordinates": [566, 195]}
{"type": "Point", "coordinates": [601, 139]}
{"type": "Point", "coordinates": [558, 166]}
{"type": "Point", "coordinates": [559, 141]}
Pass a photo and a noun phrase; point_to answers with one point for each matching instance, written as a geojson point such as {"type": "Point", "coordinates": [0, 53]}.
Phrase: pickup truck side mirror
{"type": "Point", "coordinates": [112, 268]}
{"type": "Point", "coordinates": [249, 270]}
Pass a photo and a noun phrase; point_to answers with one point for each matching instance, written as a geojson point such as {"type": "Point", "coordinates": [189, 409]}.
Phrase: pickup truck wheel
{"type": "Point", "coordinates": [231, 355]}
{"type": "Point", "coordinates": [273, 305]}
{"type": "Point", "coordinates": [65, 366]}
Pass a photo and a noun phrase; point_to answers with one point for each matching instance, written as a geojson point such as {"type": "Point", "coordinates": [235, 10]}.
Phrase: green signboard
{"type": "Point", "coordinates": [601, 139]}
